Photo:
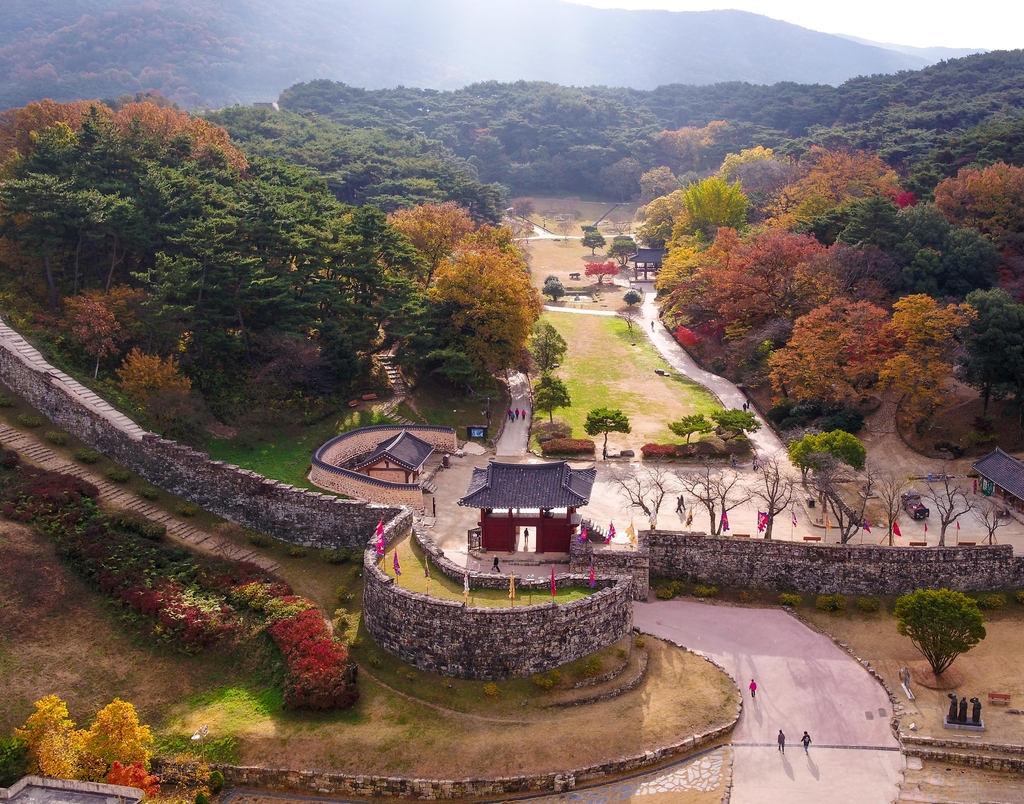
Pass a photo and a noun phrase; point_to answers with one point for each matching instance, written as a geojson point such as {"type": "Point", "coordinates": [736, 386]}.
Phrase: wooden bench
{"type": "Point", "coordinates": [574, 275]}
{"type": "Point", "coordinates": [919, 544]}
{"type": "Point", "coordinates": [999, 699]}
{"type": "Point", "coordinates": [966, 544]}
{"type": "Point", "coordinates": [368, 397]}
{"type": "Point", "coordinates": [741, 535]}
{"type": "Point", "coordinates": [812, 538]}
{"type": "Point", "coordinates": [353, 403]}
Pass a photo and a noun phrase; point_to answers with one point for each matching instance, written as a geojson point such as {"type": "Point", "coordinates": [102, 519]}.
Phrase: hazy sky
{"type": "Point", "coordinates": [989, 24]}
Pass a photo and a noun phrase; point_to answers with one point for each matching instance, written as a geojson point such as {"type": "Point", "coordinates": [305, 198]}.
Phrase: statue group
{"type": "Point", "coordinates": [958, 714]}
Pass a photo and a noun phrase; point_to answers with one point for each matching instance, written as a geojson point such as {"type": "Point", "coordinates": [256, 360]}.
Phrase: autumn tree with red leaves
{"type": "Point", "coordinates": [601, 270]}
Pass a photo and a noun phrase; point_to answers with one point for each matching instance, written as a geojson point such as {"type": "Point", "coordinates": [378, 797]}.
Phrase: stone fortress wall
{"type": "Point", "coordinates": [453, 639]}
{"type": "Point", "coordinates": [328, 473]}
{"type": "Point", "coordinates": [828, 569]}
{"type": "Point", "coordinates": [295, 515]}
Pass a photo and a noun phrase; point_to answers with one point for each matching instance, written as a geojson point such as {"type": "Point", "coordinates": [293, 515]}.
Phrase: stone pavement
{"type": "Point", "coordinates": [116, 495]}
{"type": "Point", "coordinates": [804, 682]}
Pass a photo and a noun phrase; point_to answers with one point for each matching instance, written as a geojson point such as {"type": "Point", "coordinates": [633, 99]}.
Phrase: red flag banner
{"type": "Point", "coordinates": [554, 589]}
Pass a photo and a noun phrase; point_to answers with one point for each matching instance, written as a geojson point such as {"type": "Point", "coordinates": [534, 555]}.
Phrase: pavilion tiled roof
{"type": "Point", "coordinates": [529, 485]}
{"type": "Point", "coordinates": [649, 255]}
{"type": "Point", "coordinates": [1003, 470]}
{"type": "Point", "coordinates": [405, 449]}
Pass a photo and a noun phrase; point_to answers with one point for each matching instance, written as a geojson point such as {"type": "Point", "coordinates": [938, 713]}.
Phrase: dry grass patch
{"type": "Point", "coordinates": [386, 733]}
{"type": "Point", "coordinates": [993, 666]}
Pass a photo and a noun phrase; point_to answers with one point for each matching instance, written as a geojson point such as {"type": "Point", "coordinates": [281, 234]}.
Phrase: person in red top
{"type": "Point", "coordinates": [753, 689]}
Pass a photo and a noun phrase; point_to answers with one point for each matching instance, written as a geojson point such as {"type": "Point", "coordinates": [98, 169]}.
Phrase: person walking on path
{"type": "Point", "coordinates": [805, 741]}
{"type": "Point", "coordinates": [753, 689]}
{"type": "Point", "coordinates": [496, 567]}
{"type": "Point", "coordinates": [782, 742]}
{"type": "Point", "coordinates": [680, 505]}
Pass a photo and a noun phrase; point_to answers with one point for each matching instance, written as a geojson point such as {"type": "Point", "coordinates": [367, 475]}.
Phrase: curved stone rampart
{"type": "Point", "coordinates": [450, 638]}
{"type": "Point", "coordinates": [327, 472]}
{"type": "Point", "coordinates": [292, 514]}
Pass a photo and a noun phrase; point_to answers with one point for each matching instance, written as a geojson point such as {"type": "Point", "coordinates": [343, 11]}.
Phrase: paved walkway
{"type": "Point", "coordinates": [803, 682]}
{"type": "Point", "coordinates": [515, 437]}
{"type": "Point", "coordinates": [115, 495]}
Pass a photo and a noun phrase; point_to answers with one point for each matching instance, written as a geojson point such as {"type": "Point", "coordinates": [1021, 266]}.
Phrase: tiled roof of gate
{"type": "Point", "coordinates": [404, 449]}
{"type": "Point", "coordinates": [1003, 470]}
{"type": "Point", "coordinates": [529, 485]}
{"type": "Point", "coordinates": [648, 255]}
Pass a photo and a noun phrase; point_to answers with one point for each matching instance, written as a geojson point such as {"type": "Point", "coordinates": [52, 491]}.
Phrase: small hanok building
{"type": "Point", "coordinates": [539, 496]}
{"type": "Point", "coordinates": [1002, 478]}
{"type": "Point", "coordinates": [647, 261]}
{"type": "Point", "coordinates": [398, 460]}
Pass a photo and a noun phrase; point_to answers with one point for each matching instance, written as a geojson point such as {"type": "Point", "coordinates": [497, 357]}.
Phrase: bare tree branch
{"type": "Point", "coordinates": [890, 489]}
{"type": "Point", "coordinates": [990, 514]}
{"type": "Point", "coordinates": [950, 501]}
{"type": "Point", "coordinates": [715, 489]}
{"type": "Point", "coordinates": [773, 485]}
{"type": "Point", "coordinates": [645, 488]}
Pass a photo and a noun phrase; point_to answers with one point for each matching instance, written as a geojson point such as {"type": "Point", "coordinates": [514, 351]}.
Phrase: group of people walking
{"type": "Point", "coordinates": [516, 414]}
{"type": "Point", "coordinates": [805, 741]}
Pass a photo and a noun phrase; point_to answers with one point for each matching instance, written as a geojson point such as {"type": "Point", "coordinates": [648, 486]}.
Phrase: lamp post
{"type": "Point", "coordinates": [200, 737]}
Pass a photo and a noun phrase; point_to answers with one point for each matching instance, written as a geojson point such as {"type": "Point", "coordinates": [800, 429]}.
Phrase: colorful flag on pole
{"type": "Point", "coordinates": [926, 527]}
{"type": "Point", "coordinates": [511, 585]}
{"type": "Point", "coordinates": [465, 587]}
{"type": "Point", "coordinates": [794, 519]}
{"type": "Point", "coordinates": [653, 519]}
{"type": "Point", "coordinates": [762, 521]}
{"type": "Point", "coordinates": [896, 529]}
{"type": "Point", "coordinates": [426, 576]}
{"type": "Point", "coordinates": [611, 533]}
{"type": "Point", "coordinates": [381, 544]}
{"type": "Point", "coordinates": [689, 517]}
{"type": "Point", "coordinates": [583, 535]}
{"type": "Point", "coordinates": [958, 526]}
{"type": "Point", "coordinates": [554, 589]}
{"type": "Point", "coordinates": [725, 522]}
{"type": "Point", "coordinates": [631, 533]}
{"type": "Point", "coordinates": [397, 566]}
{"type": "Point", "coordinates": [593, 582]}
{"type": "Point", "coordinates": [866, 525]}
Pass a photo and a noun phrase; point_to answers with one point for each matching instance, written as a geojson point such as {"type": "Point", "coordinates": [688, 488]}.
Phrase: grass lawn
{"type": "Point", "coordinates": [412, 561]}
{"type": "Point", "coordinates": [590, 211]}
{"type": "Point", "coordinates": [603, 368]}
{"type": "Point", "coordinates": [567, 256]}
{"type": "Point", "coordinates": [992, 666]}
{"type": "Point", "coordinates": [440, 404]}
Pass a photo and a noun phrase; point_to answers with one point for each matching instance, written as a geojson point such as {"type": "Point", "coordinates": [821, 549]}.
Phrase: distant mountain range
{"type": "Point", "coordinates": [205, 54]}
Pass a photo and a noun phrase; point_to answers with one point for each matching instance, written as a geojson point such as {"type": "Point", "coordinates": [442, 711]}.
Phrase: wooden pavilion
{"type": "Point", "coordinates": [1002, 477]}
{"type": "Point", "coordinates": [647, 260]}
{"type": "Point", "coordinates": [399, 459]}
{"type": "Point", "coordinates": [543, 496]}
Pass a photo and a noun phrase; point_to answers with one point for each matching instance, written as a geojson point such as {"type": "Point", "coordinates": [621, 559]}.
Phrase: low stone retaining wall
{"type": "Point", "coordinates": [312, 782]}
{"type": "Point", "coordinates": [328, 471]}
{"type": "Point", "coordinates": [453, 639]}
{"type": "Point", "coordinates": [827, 569]}
{"type": "Point", "coordinates": [993, 762]}
{"type": "Point", "coordinates": [278, 509]}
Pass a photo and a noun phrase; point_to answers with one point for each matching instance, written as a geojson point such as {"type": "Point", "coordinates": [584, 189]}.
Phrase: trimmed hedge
{"type": "Point", "coordinates": [568, 446]}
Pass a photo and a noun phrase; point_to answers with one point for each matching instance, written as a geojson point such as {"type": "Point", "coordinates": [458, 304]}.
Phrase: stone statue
{"type": "Point", "coordinates": [952, 708]}
{"type": "Point", "coordinates": [976, 712]}
{"type": "Point", "coordinates": [963, 710]}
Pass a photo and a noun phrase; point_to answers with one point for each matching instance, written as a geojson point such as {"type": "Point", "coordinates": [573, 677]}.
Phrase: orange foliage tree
{"type": "Point", "coordinates": [134, 775]}
{"type": "Point", "coordinates": [923, 336]}
{"type": "Point", "coordinates": [54, 746]}
{"type": "Point", "coordinates": [163, 124]}
{"type": "Point", "coordinates": [434, 229]}
{"type": "Point", "coordinates": [691, 145]}
{"type": "Point", "coordinates": [830, 179]}
{"type": "Point", "coordinates": [991, 199]}
{"type": "Point", "coordinates": [18, 125]}
{"type": "Point", "coordinates": [835, 351]}
{"type": "Point", "coordinates": [143, 376]}
{"type": "Point", "coordinates": [94, 327]}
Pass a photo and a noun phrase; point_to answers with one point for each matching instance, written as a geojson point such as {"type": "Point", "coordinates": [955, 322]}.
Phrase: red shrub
{"type": "Point", "coordinates": [133, 776]}
{"type": "Point", "coordinates": [568, 446]}
{"type": "Point", "coordinates": [658, 450]}
{"type": "Point", "coordinates": [687, 337]}
{"type": "Point", "coordinates": [315, 678]}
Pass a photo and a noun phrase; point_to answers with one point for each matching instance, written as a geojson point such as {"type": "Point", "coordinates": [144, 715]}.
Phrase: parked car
{"type": "Point", "coordinates": [912, 505]}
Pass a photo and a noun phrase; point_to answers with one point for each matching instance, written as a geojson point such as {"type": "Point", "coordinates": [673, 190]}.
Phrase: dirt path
{"type": "Point", "coordinates": [117, 496]}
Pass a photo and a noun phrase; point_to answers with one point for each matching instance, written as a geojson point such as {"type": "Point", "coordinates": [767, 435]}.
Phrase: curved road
{"type": "Point", "coordinates": [804, 682]}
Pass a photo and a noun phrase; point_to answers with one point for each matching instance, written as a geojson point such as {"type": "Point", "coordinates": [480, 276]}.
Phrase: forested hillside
{"type": "Point", "coordinates": [544, 138]}
{"type": "Point", "coordinates": [142, 246]}
{"type": "Point", "coordinates": [215, 54]}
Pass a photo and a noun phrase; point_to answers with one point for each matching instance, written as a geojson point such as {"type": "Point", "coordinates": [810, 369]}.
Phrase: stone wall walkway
{"type": "Point", "coordinates": [115, 495]}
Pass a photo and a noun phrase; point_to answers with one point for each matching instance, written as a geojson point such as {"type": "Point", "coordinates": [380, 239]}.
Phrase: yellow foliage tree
{"type": "Point", "coordinates": [660, 219]}
{"type": "Point", "coordinates": [691, 145]}
{"type": "Point", "coordinates": [115, 735]}
{"type": "Point", "coordinates": [55, 747]}
{"type": "Point", "coordinates": [434, 229]}
{"type": "Point", "coordinates": [143, 376]}
{"type": "Point", "coordinates": [729, 171]}
{"type": "Point", "coordinates": [923, 335]}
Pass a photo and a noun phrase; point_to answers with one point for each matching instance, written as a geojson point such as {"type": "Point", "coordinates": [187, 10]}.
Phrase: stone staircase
{"type": "Point", "coordinates": [117, 496]}
{"type": "Point", "coordinates": [398, 387]}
